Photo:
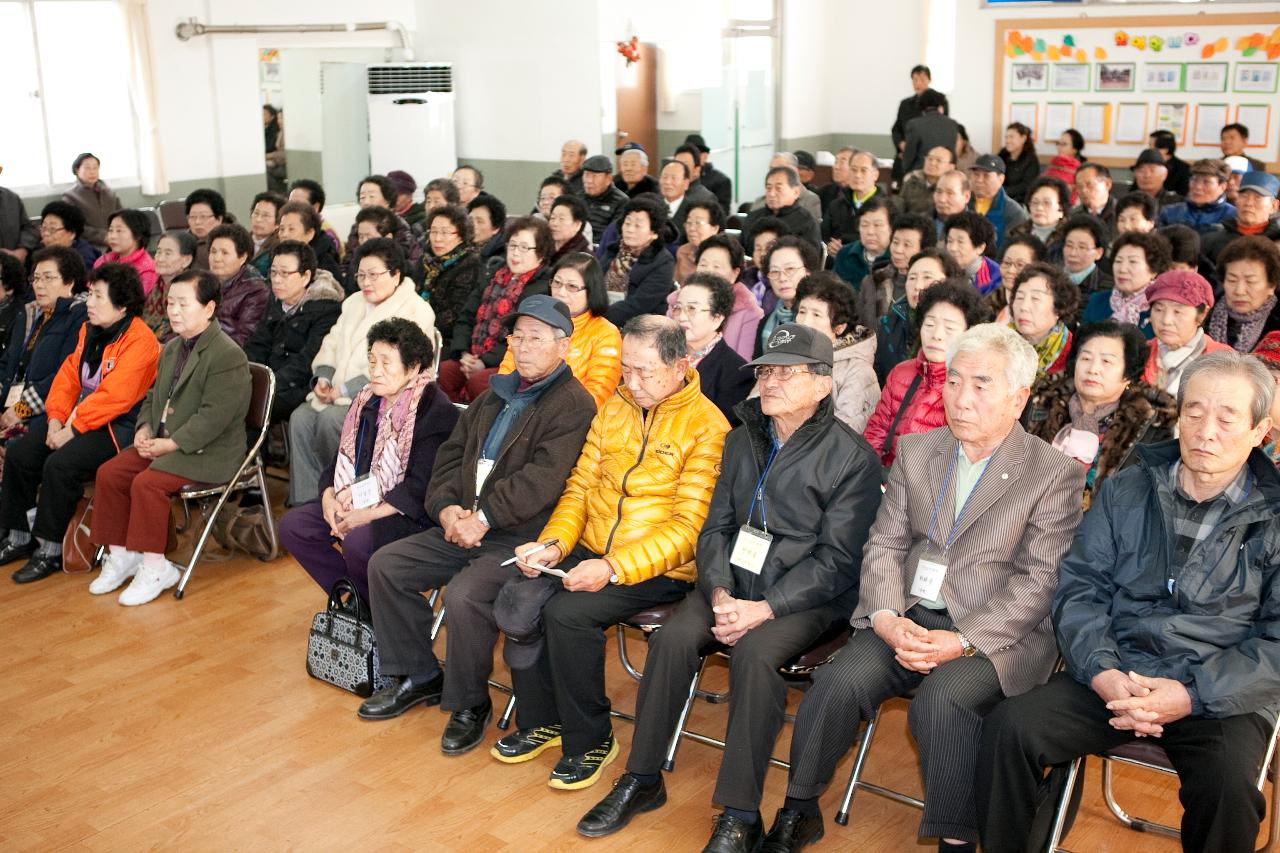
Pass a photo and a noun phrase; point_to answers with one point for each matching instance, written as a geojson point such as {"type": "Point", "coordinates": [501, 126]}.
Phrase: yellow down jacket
{"type": "Point", "coordinates": [640, 490]}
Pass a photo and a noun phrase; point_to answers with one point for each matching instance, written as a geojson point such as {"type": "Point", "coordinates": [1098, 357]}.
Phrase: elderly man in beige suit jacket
{"type": "Point", "coordinates": [954, 599]}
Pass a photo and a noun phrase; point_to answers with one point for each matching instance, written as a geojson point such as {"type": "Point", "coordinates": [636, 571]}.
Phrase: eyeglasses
{"type": "Point", "coordinates": [567, 287]}
{"type": "Point", "coordinates": [784, 272]}
{"type": "Point", "coordinates": [1013, 265]}
{"type": "Point", "coordinates": [200, 217]}
{"type": "Point", "coordinates": [443, 232]}
{"type": "Point", "coordinates": [280, 275]}
{"type": "Point", "coordinates": [521, 247]}
{"type": "Point", "coordinates": [46, 278]}
{"type": "Point", "coordinates": [528, 341]}
{"type": "Point", "coordinates": [51, 229]}
{"type": "Point", "coordinates": [679, 310]}
{"type": "Point", "coordinates": [371, 275]}
{"type": "Point", "coordinates": [782, 373]}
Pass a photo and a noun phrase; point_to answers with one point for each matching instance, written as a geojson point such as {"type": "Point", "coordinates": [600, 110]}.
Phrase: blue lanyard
{"type": "Point", "coordinates": [951, 536]}
{"type": "Point", "coordinates": [759, 494]}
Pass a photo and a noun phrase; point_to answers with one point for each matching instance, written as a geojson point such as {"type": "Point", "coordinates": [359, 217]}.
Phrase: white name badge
{"type": "Point", "coordinates": [364, 492]}
{"type": "Point", "coordinates": [927, 583]}
{"type": "Point", "coordinates": [15, 394]}
{"type": "Point", "coordinates": [750, 548]}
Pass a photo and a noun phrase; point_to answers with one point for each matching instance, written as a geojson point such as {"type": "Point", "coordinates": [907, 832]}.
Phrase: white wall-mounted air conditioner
{"type": "Point", "coordinates": [411, 107]}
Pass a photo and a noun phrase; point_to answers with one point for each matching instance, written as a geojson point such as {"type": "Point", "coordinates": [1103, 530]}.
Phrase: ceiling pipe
{"type": "Point", "coordinates": [192, 27]}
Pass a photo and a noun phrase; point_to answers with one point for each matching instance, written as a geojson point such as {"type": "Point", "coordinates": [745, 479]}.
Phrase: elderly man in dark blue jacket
{"type": "Point", "coordinates": [1168, 617]}
{"type": "Point", "coordinates": [779, 558]}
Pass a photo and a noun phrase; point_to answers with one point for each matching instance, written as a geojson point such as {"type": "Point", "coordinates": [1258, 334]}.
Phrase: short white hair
{"type": "Point", "coordinates": [644, 158]}
{"type": "Point", "coordinates": [791, 159]}
{"type": "Point", "coordinates": [1020, 359]}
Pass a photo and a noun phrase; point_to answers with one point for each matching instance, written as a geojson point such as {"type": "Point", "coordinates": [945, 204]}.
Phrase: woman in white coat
{"type": "Point", "coordinates": [341, 369]}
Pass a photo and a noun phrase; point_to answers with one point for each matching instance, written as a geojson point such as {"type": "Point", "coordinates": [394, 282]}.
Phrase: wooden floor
{"type": "Point", "coordinates": [193, 725]}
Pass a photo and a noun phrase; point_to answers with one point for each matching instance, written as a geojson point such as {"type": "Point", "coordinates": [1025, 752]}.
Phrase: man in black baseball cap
{"type": "Point", "coordinates": [604, 200]}
{"type": "Point", "coordinates": [986, 180]}
{"type": "Point", "coordinates": [1150, 173]}
{"type": "Point", "coordinates": [778, 563]}
{"type": "Point", "coordinates": [716, 181]}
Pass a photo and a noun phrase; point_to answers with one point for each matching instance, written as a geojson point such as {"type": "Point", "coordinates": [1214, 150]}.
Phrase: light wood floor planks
{"type": "Point", "coordinates": [193, 726]}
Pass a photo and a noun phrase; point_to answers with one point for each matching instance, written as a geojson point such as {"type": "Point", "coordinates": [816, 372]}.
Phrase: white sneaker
{"type": "Point", "coordinates": [149, 583]}
{"type": "Point", "coordinates": [116, 569]}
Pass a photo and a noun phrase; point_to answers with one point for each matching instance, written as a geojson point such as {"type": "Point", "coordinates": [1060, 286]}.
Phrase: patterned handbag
{"type": "Point", "coordinates": [341, 648]}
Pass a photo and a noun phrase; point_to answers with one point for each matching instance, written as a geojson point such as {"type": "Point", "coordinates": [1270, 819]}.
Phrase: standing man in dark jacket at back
{"type": "Point", "coordinates": [932, 129]}
{"type": "Point", "coordinates": [908, 109]}
{"type": "Point", "coordinates": [778, 564]}
{"type": "Point", "coordinates": [718, 182]}
{"type": "Point", "coordinates": [1168, 618]}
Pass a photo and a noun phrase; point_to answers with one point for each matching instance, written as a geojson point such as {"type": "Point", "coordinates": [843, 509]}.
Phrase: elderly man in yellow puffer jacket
{"type": "Point", "coordinates": [627, 528]}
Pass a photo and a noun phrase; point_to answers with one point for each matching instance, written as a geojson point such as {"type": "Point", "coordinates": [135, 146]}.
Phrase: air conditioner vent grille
{"type": "Point", "coordinates": [409, 79]}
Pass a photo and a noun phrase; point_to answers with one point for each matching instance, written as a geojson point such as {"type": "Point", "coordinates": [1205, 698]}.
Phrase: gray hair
{"type": "Point", "coordinates": [1231, 363]}
{"type": "Point", "coordinates": [855, 153]}
{"type": "Point", "coordinates": [1020, 360]}
{"type": "Point", "coordinates": [957, 175]}
{"type": "Point", "coordinates": [663, 333]}
{"type": "Point", "coordinates": [644, 158]}
{"type": "Point", "coordinates": [788, 156]}
{"type": "Point", "coordinates": [817, 368]}
{"type": "Point", "coordinates": [793, 177]}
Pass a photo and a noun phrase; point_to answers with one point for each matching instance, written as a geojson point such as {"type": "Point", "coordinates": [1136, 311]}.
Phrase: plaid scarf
{"type": "Point", "coordinates": [500, 298]}
{"type": "Point", "coordinates": [619, 273]}
{"type": "Point", "coordinates": [1250, 325]}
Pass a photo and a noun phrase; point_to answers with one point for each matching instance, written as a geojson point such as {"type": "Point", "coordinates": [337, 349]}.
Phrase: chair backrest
{"type": "Point", "coordinates": [157, 225]}
{"type": "Point", "coordinates": [437, 343]}
{"type": "Point", "coordinates": [173, 214]}
{"type": "Point", "coordinates": [258, 418]}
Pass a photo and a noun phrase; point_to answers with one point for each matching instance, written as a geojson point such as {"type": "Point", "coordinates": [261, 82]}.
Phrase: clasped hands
{"type": "Point", "coordinates": [588, 576]}
{"type": "Point", "coordinates": [149, 447]}
{"type": "Point", "coordinates": [58, 434]}
{"type": "Point", "coordinates": [1141, 704]}
{"type": "Point", "coordinates": [915, 647]}
{"type": "Point", "coordinates": [736, 616]}
{"type": "Point", "coordinates": [462, 527]}
{"type": "Point", "coordinates": [339, 513]}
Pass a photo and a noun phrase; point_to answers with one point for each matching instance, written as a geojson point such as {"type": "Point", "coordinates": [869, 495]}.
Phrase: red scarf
{"type": "Point", "coordinates": [500, 298]}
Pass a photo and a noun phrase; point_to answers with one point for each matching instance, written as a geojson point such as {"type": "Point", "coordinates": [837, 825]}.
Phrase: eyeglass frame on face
{"type": "Point", "coordinates": [780, 372]}
{"type": "Point", "coordinates": [52, 229]}
{"type": "Point", "coordinates": [437, 232]}
{"type": "Point", "coordinates": [274, 274]}
{"type": "Point", "coordinates": [784, 273]}
{"type": "Point", "coordinates": [45, 278]}
{"type": "Point", "coordinates": [369, 275]}
{"type": "Point", "coordinates": [561, 284]}
{"type": "Point", "coordinates": [538, 341]}
{"type": "Point", "coordinates": [690, 311]}
{"type": "Point", "coordinates": [521, 247]}
{"type": "Point", "coordinates": [1015, 265]}
{"type": "Point", "coordinates": [200, 217]}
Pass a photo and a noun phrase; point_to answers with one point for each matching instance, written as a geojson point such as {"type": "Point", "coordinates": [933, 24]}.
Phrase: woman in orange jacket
{"type": "Point", "coordinates": [89, 416]}
{"type": "Point", "coordinates": [595, 348]}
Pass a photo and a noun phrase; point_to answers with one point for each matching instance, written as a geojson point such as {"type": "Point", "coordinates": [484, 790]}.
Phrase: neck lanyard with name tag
{"type": "Point", "coordinates": [927, 583]}
{"type": "Point", "coordinates": [751, 546]}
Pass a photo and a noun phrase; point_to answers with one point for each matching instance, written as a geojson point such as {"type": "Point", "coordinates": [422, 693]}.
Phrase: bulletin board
{"type": "Point", "coordinates": [1118, 79]}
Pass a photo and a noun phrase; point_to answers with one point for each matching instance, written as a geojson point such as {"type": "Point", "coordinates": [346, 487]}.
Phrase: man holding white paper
{"type": "Point", "coordinates": [954, 602]}
{"type": "Point", "coordinates": [778, 563]}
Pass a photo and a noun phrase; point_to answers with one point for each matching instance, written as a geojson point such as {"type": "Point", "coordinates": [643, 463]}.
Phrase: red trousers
{"type": "Point", "coordinates": [131, 504]}
{"type": "Point", "coordinates": [455, 383]}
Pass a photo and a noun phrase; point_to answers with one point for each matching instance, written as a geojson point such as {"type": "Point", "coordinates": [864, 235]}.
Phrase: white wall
{"type": "Point", "coordinates": [207, 88]}
{"type": "Point", "coordinates": [976, 47]}
{"type": "Point", "coordinates": [527, 74]}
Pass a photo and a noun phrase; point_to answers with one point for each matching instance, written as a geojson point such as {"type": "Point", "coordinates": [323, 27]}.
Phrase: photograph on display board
{"type": "Point", "coordinates": [1257, 77]}
{"type": "Point", "coordinates": [1115, 77]}
{"type": "Point", "coordinates": [1162, 77]}
{"type": "Point", "coordinates": [1173, 118]}
{"type": "Point", "coordinates": [1029, 77]}
{"type": "Point", "coordinates": [1206, 77]}
{"type": "Point", "coordinates": [1071, 77]}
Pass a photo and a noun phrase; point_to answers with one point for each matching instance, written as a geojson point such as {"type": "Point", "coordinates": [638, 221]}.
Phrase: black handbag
{"type": "Point", "coordinates": [341, 648]}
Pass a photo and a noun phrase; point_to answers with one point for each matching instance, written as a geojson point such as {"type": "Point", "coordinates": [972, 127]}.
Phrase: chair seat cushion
{"type": "Point", "coordinates": [1144, 750]}
{"type": "Point", "coordinates": [652, 617]}
{"type": "Point", "coordinates": [822, 649]}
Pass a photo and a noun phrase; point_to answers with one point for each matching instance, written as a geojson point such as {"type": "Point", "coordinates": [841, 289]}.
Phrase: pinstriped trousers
{"type": "Point", "coordinates": [945, 719]}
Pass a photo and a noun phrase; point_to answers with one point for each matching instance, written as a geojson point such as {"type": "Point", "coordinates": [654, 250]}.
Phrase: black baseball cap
{"type": "Point", "coordinates": [630, 146]}
{"type": "Point", "coordinates": [696, 140]}
{"type": "Point", "coordinates": [988, 163]}
{"type": "Point", "coordinates": [792, 343]}
{"type": "Point", "coordinates": [547, 309]}
{"type": "Point", "coordinates": [1150, 156]}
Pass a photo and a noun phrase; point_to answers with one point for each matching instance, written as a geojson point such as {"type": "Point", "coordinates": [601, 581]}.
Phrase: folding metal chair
{"type": "Point", "coordinates": [1149, 755]}
{"type": "Point", "coordinates": [173, 214]}
{"type": "Point", "coordinates": [251, 473]}
{"type": "Point", "coordinates": [855, 776]}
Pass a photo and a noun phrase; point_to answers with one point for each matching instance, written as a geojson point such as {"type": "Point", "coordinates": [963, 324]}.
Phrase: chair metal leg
{"type": "Point", "coordinates": [1273, 827]}
{"type": "Point", "coordinates": [205, 530]}
{"type": "Point", "coordinates": [670, 762]}
{"type": "Point", "coordinates": [1137, 824]}
{"type": "Point", "coordinates": [624, 657]}
{"type": "Point", "coordinates": [1063, 806]}
{"type": "Point", "coordinates": [437, 622]}
{"type": "Point", "coordinates": [855, 775]}
{"type": "Point", "coordinates": [271, 518]}
{"type": "Point", "coordinates": [505, 720]}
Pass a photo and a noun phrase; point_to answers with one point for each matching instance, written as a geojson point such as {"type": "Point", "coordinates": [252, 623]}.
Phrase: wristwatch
{"type": "Point", "coordinates": [967, 648]}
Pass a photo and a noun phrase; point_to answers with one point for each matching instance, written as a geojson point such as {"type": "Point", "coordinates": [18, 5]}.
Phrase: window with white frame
{"type": "Point", "coordinates": [65, 67]}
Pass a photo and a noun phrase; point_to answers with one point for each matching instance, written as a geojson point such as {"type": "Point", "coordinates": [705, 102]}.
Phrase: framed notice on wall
{"type": "Point", "coordinates": [1071, 77]}
{"type": "Point", "coordinates": [1026, 113]}
{"type": "Point", "coordinates": [1162, 77]}
{"type": "Point", "coordinates": [1057, 118]}
{"type": "Point", "coordinates": [1209, 121]}
{"type": "Point", "coordinates": [1256, 117]}
{"type": "Point", "coordinates": [1257, 77]}
{"type": "Point", "coordinates": [1094, 122]}
{"type": "Point", "coordinates": [1131, 123]}
{"type": "Point", "coordinates": [1206, 77]}
{"type": "Point", "coordinates": [1173, 118]}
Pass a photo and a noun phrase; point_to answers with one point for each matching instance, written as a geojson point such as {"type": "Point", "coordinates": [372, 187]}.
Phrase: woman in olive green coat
{"type": "Point", "coordinates": [190, 429]}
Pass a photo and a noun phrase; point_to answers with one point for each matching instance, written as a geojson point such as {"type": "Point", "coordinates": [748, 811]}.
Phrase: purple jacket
{"type": "Point", "coordinates": [244, 302]}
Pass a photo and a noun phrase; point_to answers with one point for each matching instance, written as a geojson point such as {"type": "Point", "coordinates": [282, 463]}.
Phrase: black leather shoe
{"type": "Point", "coordinates": [10, 553]}
{"type": "Point", "coordinates": [38, 568]}
{"type": "Point", "coordinates": [465, 729]}
{"type": "Point", "coordinates": [791, 831]}
{"type": "Point", "coordinates": [395, 700]}
{"type": "Point", "coordinates": [733, 835]}
{"type": "Point", "coordinates": [627, 799]}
